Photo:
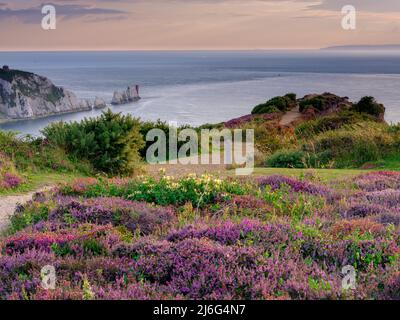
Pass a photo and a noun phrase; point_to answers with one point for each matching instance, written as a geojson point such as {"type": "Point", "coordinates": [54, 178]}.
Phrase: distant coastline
{"type": "Point", "coordinates": [11, 120]}
{"type": "Point", "coordinates": [364, 47]}
{"type": "Point", "coordinates": [187, 87]}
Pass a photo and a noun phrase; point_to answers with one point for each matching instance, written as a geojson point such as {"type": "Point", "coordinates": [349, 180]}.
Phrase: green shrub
{"type": "Point", "coordinates": [268, 137]}
{"type": "Point", "coordinates": [111, 142]}
{"type": "Point", "coordinates": [316, 103]}
{"type": "Point", "coordinates": [287, 159]}
{"type": "Point", "coordinates": [324, 102]}
{"type": "Point", "coordinates": [146, 127]}
{"type": "Point", "coordinates": [30, 215]}
{"type": "Point", "coordinates": [199, 191]}
{"type": "Point", "coordinates": [312, 128]}
{"type": "Point", "coordinates": [265, 108]}
{"type": "Point", "coordinates": [291, 96]}
{"type": "Point", "coordinates": [29, 154]}
{"type": "Point", "coordinates": [276, 104]}
{"type": "Point", "coordinates": [352, 146]}
{"type": "Point", "coordinates": [297, 207]}
{"type": "Point", "coordinates": [369, 105]}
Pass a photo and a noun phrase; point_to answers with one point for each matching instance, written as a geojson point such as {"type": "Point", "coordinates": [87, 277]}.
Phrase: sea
{"type": "Point", "coordinates": [198, 87]}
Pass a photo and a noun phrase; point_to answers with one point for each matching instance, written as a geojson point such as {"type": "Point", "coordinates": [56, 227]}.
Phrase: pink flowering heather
{"type": "Point", "coordinates": [389, 198]}
{"type": "Point", "coordinates": [276, 182]}
{"type": "Point", "coordinates": [202, 269]}
{"type": "Point", "coordinates": [362, 254]}
{"type": "Point", "coordinates": [378, 181]}
{"type": "Point", "coordinates": [389, 219]}
{"type": "Point", "coordinates": [345, 228]}
{"type": "Point", "coordinates": [29, 263]}
{"type": "Point", "coordinates": [126, 250]}
{"type": "Point", "coordinates": [362, 210]}
{"type": "Point", "coordinates": [373, 203]}
{"type": "Point", "coordinates": [131, 214]}
{"type": "Point", "coordinates": [248, 202]}
{"type": "Point", "coordinates": [69, 239]}
{"type": "Point", "coordinates": [81, 185]}
{"type": "Point", "coordinates": [248, 232]}
{"type": "Point", "coordinates": [10, 180]}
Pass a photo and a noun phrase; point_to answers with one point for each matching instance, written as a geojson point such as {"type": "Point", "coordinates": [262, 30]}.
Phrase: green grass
{"type": "Point", "coordinates": [36, 181]}
{"type": "Point", "coordinates": [39, 180]}
{"type": "Point", "coordinates": [324, 174]}
{"type": "Point", "coordinates": [391, 163]}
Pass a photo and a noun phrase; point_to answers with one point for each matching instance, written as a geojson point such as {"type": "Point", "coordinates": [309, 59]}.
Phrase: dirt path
{"type": "Point", "coordinates": [9, 203]}
{"type": "Point", "coordinates": [290, 116]}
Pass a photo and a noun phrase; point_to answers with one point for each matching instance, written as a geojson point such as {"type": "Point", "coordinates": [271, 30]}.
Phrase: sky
{"type": "Point", "coordinates": [196, 24]}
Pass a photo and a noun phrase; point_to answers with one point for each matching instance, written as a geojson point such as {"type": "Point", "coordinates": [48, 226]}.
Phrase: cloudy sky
{"type": "Point", "coordinates": [195, 24]}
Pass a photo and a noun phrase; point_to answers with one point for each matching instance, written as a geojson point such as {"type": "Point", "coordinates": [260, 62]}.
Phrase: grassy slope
{"type": "Point", "coordinates": [390, 163]}
{"type": "Point", "coordinates": [324, 174]}
{"type": "Point", "coordinates": [36, 181]}
{"type": "Point", "coordinates": [39, 180]}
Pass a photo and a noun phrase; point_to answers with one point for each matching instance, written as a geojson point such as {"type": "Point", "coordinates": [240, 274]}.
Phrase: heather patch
{"type": "Point", "coordinates": [203, 238]}
{"type": "Point", "coordinates": [135, 216]}
{"type": "Point", "coordinates": [9, 177]}
{"type": "Point", "coordinates": [378, 181]}
{"type": "Point", "coordinates": [276, 182]}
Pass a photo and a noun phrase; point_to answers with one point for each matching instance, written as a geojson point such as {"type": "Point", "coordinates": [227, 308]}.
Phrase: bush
{"type": "Point", "coordinates": [9, 177]}
{"type": "Point", "coordinates": [370, 106]}
{"type": "Point", "coordinates": [287, 159]}
{"type": "Point", "coordinates": [311, 128]}
{"type": "Point", "coordinates": [299, 159]}
{"type": "Point", "coordinates": [276, 104]}
{"type": "Point", "coordinates": [269, 137]}
{"type": "Point", "coordinates": [324, 102]}
{"type": "Point", "coordinates": [353, 146]}
{"type": "Point", "coordinates": [30, 154]}
{"type": "Point", "coordinates": [146, 127]}
{"type": "Point", "coordinates": [164, 191]}
{"type": "Point", "coordinates": [291, 96]}
{"type": "Point", "coordinates": [131, 215]}
{"type": "Point", "coordinates": [111, 142]}
{"type": "Point", "coordinates": [316, 103]}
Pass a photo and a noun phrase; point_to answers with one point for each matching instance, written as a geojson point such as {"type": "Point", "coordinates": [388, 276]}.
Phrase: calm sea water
{"type": "Point", "coordinates": [209, 87]}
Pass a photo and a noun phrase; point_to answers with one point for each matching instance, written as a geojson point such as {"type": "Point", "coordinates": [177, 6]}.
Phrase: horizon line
{"type": "Point", "coordinates": [198, 50]}
{"type": "Point", "coordinates": [150, 50]}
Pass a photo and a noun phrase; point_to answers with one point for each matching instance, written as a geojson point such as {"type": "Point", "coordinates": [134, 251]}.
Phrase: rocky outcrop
{"type": "Point", "coordinates": [25, 95]}
{"type": "Point", "coordinates": [99, 103]}
{"type": "Point", "coordinates": [131, 94]}
{"type": "Point", "coordinates": [323, 103]}
{"type": "Point", "coordinates": [85, 104]}
{"type": "Point", "coordinates": [316, 105]}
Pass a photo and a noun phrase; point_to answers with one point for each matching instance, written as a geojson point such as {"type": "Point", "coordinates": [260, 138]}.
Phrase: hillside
{"type": "Point", "coordinates": [25, 95]}
{"type": "Point", "coordinates": [286, 232]}
{"type": "Point", "coordinates": [205, 238]}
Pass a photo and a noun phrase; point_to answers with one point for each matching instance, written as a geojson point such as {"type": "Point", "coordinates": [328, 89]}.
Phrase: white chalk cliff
{"type": "Point", "coordinates": [131, 94]}
{"type": "Point", "coordinates": [25, 95]}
